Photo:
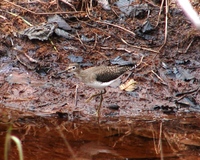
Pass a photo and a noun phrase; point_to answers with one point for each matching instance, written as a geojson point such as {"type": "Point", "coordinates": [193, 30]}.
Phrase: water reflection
{"type": "Point", "coordinates": [57, 138]}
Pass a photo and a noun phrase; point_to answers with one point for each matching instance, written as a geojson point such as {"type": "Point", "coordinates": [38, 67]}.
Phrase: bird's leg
{"type": "Point", "coordinates": [100, 104]}
{"type": "Point", "coordinates": [94, 95]}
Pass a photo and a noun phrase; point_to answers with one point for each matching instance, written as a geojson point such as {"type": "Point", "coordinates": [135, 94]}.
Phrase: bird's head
{"type": "Point", "coordinates": [73, 67]}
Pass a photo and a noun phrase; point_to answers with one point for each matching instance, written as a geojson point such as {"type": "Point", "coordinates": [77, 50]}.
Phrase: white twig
{"type": "Point", "coordinates": [190, 12]}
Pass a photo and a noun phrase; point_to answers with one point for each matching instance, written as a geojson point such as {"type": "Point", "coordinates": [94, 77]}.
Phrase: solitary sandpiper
{"type": "Point", "coordinates": [99, 77]}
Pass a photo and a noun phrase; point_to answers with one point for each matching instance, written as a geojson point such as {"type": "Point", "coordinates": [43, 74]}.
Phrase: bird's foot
{"type": "Point", "coordinates": [95, 95]}
{"type": "Point", "coordinates": [92, 96]}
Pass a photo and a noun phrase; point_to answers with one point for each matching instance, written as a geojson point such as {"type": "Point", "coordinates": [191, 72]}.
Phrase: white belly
{"type": "Point", "coordinates": [100, 85]}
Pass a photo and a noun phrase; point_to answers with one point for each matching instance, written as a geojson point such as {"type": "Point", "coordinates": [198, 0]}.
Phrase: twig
{"type": "Point", "coordinates": [133, 68]}
{"type": "Point", "coordinates": [26, 55]}
{"type": "Point", "coordinates": [158, 77]}
{"type": "Point", "coordinates": [140, 61]}
{"type": "Point", "coordinates": [170, 141]}
{"type": "Point", "coordinates": [4, 18]}
{"type": "Point", "coordinates": [151, 3]}
{"type": "Point", "coordinates": [124, 29]}
{"type": "Point", "coordinates": [124, 49]}
{"type": "Point", "coordinates": [66, 143]}
{"type": "Point", "coordinates": [13, 14]}
{"type": "Point", "coordinates": [103, 55]}
{"type": "Point", "coordinates": [160, 141]}
{"type": "Point", "coordinates": [189, 46]}
{"type": "Point", "coordinates": [143, 48]}
{"type": "Point", "coordinates": [114, 12]}
{"type": "Point", "coordinates": [188, 92]}
{"type": "Point", "coordinates": [114, 25]}
{"type": "Point", "coordinates": [154, 139]}
{"type": "Point", "coordinates": [161, 6]}
{"type": "Point", "coordinates": [119, 49]}
{"type": "Point", "coordinates": [75, 96]}
{"type": "Point", "coordinates": [48, 13]}
{"type": "Point", "coordinates": [80, 40]}
{"type": "Point", "coordinates": [166, 23]}
{"type": "Point", "coordinates": [65, 1]}
{"type": "Point", "coordinates": [95, 42]}
{"type": "Point", "coordinates": [54, 46]}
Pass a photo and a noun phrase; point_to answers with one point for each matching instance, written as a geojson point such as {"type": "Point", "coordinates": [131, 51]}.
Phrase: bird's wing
{"type": "Point", "coordinates": [110, 73]}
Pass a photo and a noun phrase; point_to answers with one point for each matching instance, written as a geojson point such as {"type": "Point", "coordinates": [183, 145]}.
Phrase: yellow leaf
{"type": "Point", "coordinates": [129, 85]}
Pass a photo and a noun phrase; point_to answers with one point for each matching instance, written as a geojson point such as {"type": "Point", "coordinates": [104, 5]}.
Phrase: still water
{"type": "Point", "coordinates": [143, 137]}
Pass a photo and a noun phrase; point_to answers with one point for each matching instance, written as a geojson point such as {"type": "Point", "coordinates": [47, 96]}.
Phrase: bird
{"type": "Point", "coordinates": [99, 77]}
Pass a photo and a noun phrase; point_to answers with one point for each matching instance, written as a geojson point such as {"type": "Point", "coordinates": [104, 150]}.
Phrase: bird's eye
{"type": "Point", "coordinates": [74, 67]}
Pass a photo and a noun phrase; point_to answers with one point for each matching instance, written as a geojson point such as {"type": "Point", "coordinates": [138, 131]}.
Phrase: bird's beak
{"type": "Point", "coordinates": [66, 70]}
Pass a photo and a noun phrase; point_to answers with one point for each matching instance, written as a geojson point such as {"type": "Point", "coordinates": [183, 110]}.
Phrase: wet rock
{"type": "Point", "coordinates": [139, 11]}
{"type": "Point", "coordinates": [60, 22]}
{"type": "Point", "coordinates": [41, 32]}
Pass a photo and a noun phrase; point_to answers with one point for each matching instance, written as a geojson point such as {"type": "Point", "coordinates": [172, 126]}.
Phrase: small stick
{"type": "Point", "coordinates": [187, 92]}
{"type": "Point", "coordinates": [166, 23]}
{"type": "Point", "coordinates": [79, 39]}
{"type": "Point", "coordinates": [133, 68]}
{"type": "Point", "coordinates": [102, 54]}
{"type": "Point", "coordinates": [47, 13]}
{"type": "Point", "coordinates": [158, 77]}
{"type": "Point", "coordinates": [114, 25]}
{"type": "Point", "coordinates": [160, 146]}
{"type": "Point", "coordinates": [189, 45]}
{"type": "Point", "coordinates": [75, 96]}
{"type": "Point", "coordinates": [95, 42]}
{"type": "Point", "coordinates": [161, 6]}
{"type": "Point", "coordinates": [143, 48]}
{"type": "Point", "coordinates": [117, 26]}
